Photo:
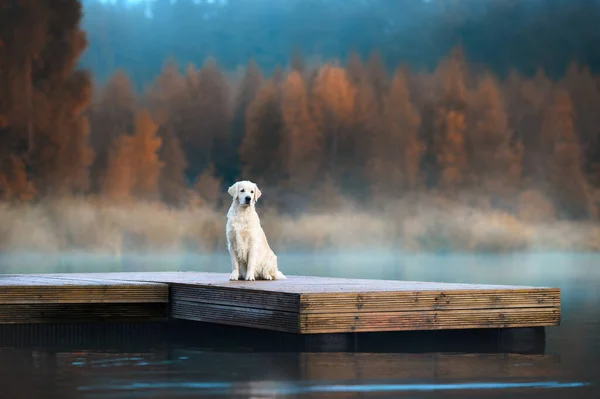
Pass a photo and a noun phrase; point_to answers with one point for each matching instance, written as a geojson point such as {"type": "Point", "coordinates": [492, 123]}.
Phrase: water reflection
{"type": "Point", "coordinates": [183, 372]}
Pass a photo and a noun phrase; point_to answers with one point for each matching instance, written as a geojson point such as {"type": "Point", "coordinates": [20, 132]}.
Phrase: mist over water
{"type": "Point", "coordinates": [420, 226]}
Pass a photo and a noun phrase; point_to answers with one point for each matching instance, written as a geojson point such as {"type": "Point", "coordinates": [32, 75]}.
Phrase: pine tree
{"type": "Point", "coordinates": [397, 148]}
{"type": "Point", "coordinates": [563, 159]}
{"type": "Point", "coordinates": [172, 182]}
{"type": "Point", "coordinates": [118, 180]}
{"type": "Point", "coordinates": [494, 162]}
{"type": "Point", "coordinates": [332, 106]}
{"type": "Point", "coordinates": [356, 147]}
{"type": "Point", "coordinates": [211, 112]}
{"type": "Point", "coordinates": [248, 89]}
{"type": "Point", "coordinates": [23, 41]}
{"type": "Point", "coordinates": [165, 96]}
{"type": "Point", "coordinates": [59, 155]}
{"type": "Point", "coordinates": [303, 141]}
{"type": "Point", "coordinates": [110, 115]}
{"type": "Point", "coordinates": [585, 95]}
{"type": "Point", "coordinates": [422, 87]}
{"type": "Point", "coordinates": [525, 102]}
{"type": "Point", "coordinates": [134, 167]}
{"type": "Point", "coordinates": [145, 162]}
{"type": "Point", "coordinates": [450, 121]}
{"type": "Point", "coordinates": [260, 150]}
{"type": "Point", "coordinates": [297, 61]}
{"type": "Point", "coordinates": [378, 77]}
{"type": "Point", "coordinates": [355, 69]}
{"type": "Point", "coordinates": [14, 183]}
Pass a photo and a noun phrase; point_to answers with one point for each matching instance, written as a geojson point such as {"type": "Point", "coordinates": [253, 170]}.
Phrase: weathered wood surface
{"type": "Point", "coordinates": [30, 289]}
{"type": "Point", "coordinates": [49, 298]}
{"type": "Point", "coordinates": [309, 305]}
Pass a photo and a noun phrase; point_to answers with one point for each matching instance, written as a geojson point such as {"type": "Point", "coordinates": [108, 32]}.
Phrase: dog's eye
{"type": "Point", "coordinates": [251, 192]}
{"type": "Point", "coordinates": [242, 190]}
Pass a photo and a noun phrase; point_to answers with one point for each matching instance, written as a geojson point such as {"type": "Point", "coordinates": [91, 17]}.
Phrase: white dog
{"type": "Point", "coordinates": [251, 256]}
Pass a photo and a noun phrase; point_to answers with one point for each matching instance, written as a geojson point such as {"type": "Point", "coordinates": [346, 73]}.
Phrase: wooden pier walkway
{"type": "Point", "coordinates": [302, 305]}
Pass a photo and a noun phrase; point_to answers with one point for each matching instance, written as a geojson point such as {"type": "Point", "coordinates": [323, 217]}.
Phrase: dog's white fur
{"type": "Point", "coordinates": [251, 256]}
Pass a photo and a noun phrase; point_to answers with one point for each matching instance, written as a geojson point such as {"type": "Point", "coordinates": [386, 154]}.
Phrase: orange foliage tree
{"type": "Point", "coordinates": [303, 141]}
{"type": "Point", "coordinates": [394, 165]}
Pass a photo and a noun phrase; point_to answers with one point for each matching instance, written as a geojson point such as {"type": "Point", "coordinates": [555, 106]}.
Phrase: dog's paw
{"type": "Point", "coordinates": [268, 277]}
{"type": "Point", "coordinates": [250, 278]}
{"type": "Point", "coordinates": [235, 275]}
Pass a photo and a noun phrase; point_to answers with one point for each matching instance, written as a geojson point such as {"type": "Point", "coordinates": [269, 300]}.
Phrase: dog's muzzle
{"type": "Point", "coordinates": [248, 199]}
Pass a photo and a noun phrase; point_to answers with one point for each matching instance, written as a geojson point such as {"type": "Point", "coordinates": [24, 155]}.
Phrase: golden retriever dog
{"type": "Point", "coordinates": [251, 256]}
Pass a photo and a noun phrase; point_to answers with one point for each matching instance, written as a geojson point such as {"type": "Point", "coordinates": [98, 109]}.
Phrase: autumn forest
{"type": "Point", "coordinates": [347, 152]}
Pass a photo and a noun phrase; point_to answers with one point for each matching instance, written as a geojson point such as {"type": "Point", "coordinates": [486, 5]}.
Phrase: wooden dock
{"type": "Point", "coordinates": [301, 305]}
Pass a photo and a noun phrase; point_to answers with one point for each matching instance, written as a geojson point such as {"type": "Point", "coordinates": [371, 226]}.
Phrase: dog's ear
{"type": "Point", "coordinates": [233, 190]}
{"type": "Point", "coordinates": [257, 193]}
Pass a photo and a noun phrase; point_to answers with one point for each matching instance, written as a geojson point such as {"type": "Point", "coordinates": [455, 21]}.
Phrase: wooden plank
{"type": "Point", "coordinates": [81, 312]}
{"type": "Point", "coordinates": [428, 320]}
{"type": "Point", "coordinates": [241, 298]}
{"type": "Point", "coordinates": [386, 301]}
{"type": "Point", "coordinates": [24, 289]}
{"type": "Point", "coordinates": [235, 316]}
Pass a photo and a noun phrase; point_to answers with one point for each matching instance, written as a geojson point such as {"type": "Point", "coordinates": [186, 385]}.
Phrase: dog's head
{"type": "Point", "coordinates": [245, 193]}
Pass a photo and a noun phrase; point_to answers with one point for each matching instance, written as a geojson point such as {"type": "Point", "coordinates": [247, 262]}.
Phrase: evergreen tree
{"type": "Point", "coordinates": [118, 180]}
{"type": "Point", "coordinates": [355, 69]}
{"type": "Point", "coordinates": [212, 116]}
{"type": "Point", "coordinates": [563, 159]}
{"type": "Point", "coordinates": [303, 141]}
{"type": "Point", "coordinates": [494, 162]}
{"type": "Point", "coordinates": [111, 114]}
{"type": "Point", "coordinates": [172, 182]}
{"type": "Point", "coordinates": [378, 77]}
{"type": "Point", "coordinates": [358, 140]}
{"type": "Point", "coordinates": [14, 184]}
{"type": "Point", "coordinates": [165, 96]}
{"type": "Point", "coordinates": [297, 61]}
{"type": "Point", "coordinates": [397, 148]}
{"type": "Point", "coordinates": [450, 121]}
{"type": "Point", "coordinates": [146, 164]}
{"type": "Point", "coordinates": [260, 150]}
{"type": "Point", "coordinates": [134, 167]}
{"type": "Point", "coordinates": [248, 89]}
{"type": "Point", "coordinates": [333, 102]}
{"type": "Point", "coordinates": [46, 95]}
{"type": "Point", "coordinates": [585, 94]}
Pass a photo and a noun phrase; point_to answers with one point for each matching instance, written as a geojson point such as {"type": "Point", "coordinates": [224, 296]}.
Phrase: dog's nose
{"type": "Point", "coordinates": [248, 199]}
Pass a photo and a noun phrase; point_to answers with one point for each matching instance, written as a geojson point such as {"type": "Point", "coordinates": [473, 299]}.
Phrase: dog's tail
{"type": "Point", "coordinates": [279, 276]}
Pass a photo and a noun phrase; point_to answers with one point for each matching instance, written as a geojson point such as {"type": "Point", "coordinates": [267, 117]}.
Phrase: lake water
{"type": "Point", "coordinates": [569, 368]}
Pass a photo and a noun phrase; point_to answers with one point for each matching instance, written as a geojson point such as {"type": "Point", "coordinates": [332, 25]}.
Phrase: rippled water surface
{"type": "Point", "coordinates": [569, 368]}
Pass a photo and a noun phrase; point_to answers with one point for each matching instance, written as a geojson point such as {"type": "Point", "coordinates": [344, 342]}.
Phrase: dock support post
{"type": "Point", "coordinates": [334, 342]}
{"type": "Point", "coordinates": [522, 340]}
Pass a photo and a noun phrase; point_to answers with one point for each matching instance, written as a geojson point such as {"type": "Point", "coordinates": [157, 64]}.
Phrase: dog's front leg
{"type": "Point", "coordinates": [235, 268]}
{"type": "Point", "coordinates": [251, 268]}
